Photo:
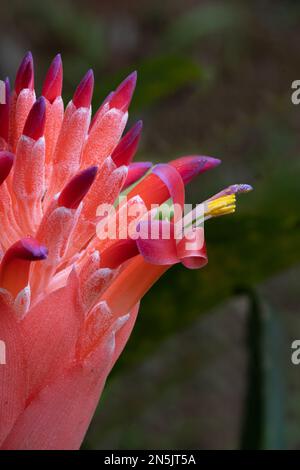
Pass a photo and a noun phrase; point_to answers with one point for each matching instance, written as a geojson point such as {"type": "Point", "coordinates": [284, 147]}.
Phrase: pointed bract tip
{"type": "Point", "coordinates": [191, 166]}
{"type": "Point", "coordinates": [17, 259]}
{"type": "Point", "coordinates": [25, 74]}
{"type": "Point", "coordinates": [27, 248]}
{"type": "Point", "coordinates": [122, 96]}
{"type": "Point", "coordinates": [35, 122]}
{"type": "Point", "coordinates": [32, 250]}
{"type": "Point", "coordinates": [83, 94]}
{"type": "Point", "coordinates": [6, 163]}
{"type": "Point", "coordinates": [127, 147]}
{"type": "Point", "coordinates": [52, 86]}
{"type": "Point", "coordinates": [75, 190]}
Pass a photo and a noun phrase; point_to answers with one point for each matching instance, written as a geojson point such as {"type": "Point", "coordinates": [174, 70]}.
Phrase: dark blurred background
{"type": "Point", "coordinates": [209, 362]}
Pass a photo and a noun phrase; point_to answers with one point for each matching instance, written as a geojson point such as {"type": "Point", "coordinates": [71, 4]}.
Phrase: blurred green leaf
{"type": "Point", "coordinates": [212, 18]}
{"type": "Point", "coordinates": [263, 426]}
{"type": "Point", "coordinates": [159, 77]}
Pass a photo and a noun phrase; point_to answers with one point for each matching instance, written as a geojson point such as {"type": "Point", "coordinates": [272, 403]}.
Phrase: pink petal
{"type": "Point", "coordinates": [60, 414]}
{"type": "Point", "coordinates": [50, 332]}
{"type": "Point", "coordinates": [52, 86]}
{"type": "Point", "coordinates": [127, 147]}
{"type": "Point", "coordinates": [136, 171]}
{"type": "Point", "coordinates": [191, 250]}
{"type": "Point", "coordinates": [160, 250]}
{"type": "Point", "coordinates": [12, 374]}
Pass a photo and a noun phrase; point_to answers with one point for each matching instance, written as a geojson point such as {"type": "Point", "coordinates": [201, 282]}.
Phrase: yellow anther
{"type": "Point", "coordinates": [220, 206]}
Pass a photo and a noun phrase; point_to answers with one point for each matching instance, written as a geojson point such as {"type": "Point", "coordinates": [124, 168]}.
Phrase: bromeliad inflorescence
{"type": "Point", "coordinates": [68, 297]}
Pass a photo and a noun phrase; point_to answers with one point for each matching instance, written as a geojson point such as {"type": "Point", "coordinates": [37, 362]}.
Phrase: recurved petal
{"type": "Point", "coordinates": [156, 242]}
{"type": "Point", "coordinates": [191, 250]}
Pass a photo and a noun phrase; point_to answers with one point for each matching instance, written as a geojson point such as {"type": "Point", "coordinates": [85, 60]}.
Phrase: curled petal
{"type": "Point", "coordinates": [164, 182]}
{"type": "Point", "coordinates": [173, 181]}
{"type": "Point", "coordinates": [191, 166]}
{"type": "Point", "coordinates": [191, 250]}
{"type": "Point", "coordinates": [136, 171]}
{"type": "Point", "coordinates": [156, 242]}
{"type": "Point", "coordinates": [17, 259]}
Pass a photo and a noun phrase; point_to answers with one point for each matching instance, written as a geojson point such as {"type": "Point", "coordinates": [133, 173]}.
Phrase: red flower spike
{"type": "Point", "coordinates": [123, 94]}
{"type": "Point", "coordinates": [83, 94]}
{"type": "Point", "coordinates": [136, 171]}
{"type": "Point", "coordinates": [25, 74]}
{"type": "Point", "coordinates": [35, 122]}
{"type": "Point", "coordinates": [118, 253]}
{"type": "Point", "coordinates": [191, 166]}
{"type": "Point", "coordinates": [17, 259]}
{"type": "Point", "coordinates": [6, 163]}
{"type": "Point", "coordinates": [4, 112]}
{"type": "Point", "coordinates": [52, 86]}
{"type": "Point", "coordinates": [73, 193]}
{"type": "Point", "coordinates": [127, 147]}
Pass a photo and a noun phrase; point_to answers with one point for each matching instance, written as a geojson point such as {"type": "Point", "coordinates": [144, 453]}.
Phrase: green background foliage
{"type": "Point", "coordinates": [208, 364]}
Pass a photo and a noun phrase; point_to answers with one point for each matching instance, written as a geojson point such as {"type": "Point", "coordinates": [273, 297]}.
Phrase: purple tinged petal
{"type": "Point", "coordinates": [6, 163]}
{"type": "Point", "coordinates": [122, 96]}
{"type": "Point", "coordinates": [35, 122]}
{"type": "Point", "coordinates": [127, 147]}
{"type": "Point", "coordinates": [75, 190]}
{"type": "Point", "coordinates": [233, 189]}
{"type": "Point", "coordinates": [191, 166]}
{"type": "Point", "coordinates": [52, 86]}
{"type": "Point", "coordinates": [83, 94]}
{"type": "Point", "coordinates": [25, 74]}
{"type": "Point", "coordinates": [136, 171]}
